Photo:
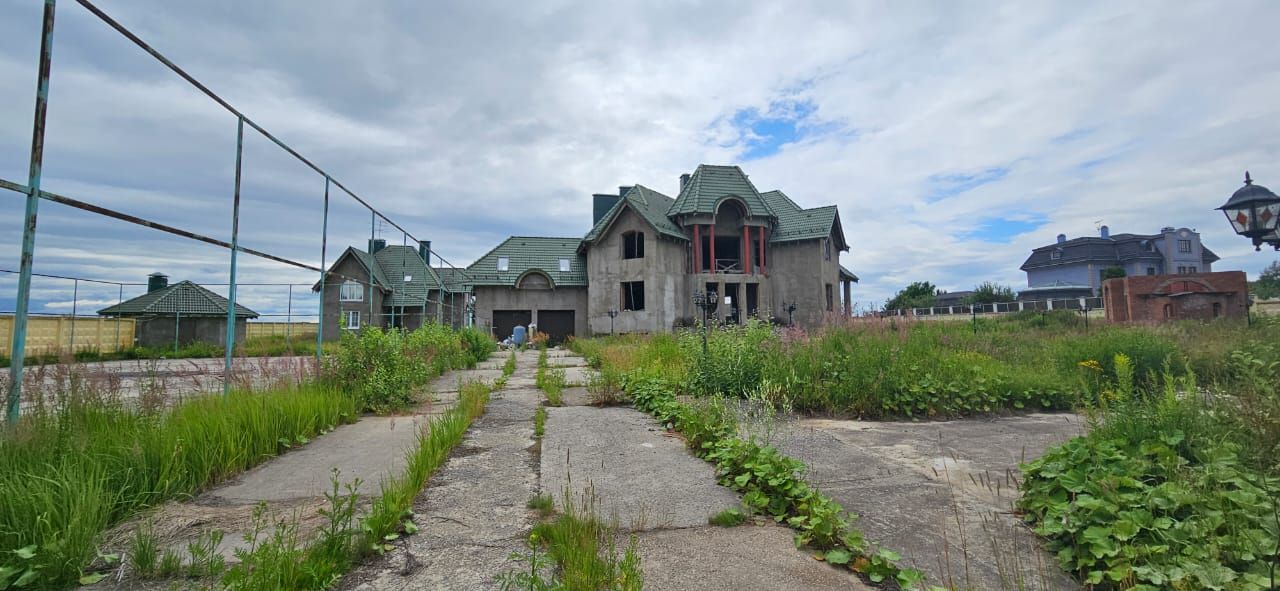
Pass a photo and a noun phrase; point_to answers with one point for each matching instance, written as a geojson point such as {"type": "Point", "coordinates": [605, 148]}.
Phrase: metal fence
{"type": "Point", "coordinates": [329, 193]}
{"type": "Point", "coordinates": [1082, 304]}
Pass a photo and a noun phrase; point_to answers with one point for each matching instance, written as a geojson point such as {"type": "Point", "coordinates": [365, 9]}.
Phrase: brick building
{"type": "Point", "coordinates": [1161, 298]}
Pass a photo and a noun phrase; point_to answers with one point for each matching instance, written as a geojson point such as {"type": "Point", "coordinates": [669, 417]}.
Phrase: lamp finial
{"type": "Point", "coordinates": [1247, 180]}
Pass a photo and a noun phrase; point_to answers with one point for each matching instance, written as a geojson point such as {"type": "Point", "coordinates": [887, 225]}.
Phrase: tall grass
{"type": "Point", "coordinates": [284, 560]}
{"type": "Point", "coordinates": [69, 475]}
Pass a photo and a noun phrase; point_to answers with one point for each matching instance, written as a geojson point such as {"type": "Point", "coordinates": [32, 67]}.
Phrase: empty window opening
{"type": "Point", "coordinates": [826, 249]}
{"type": "Point", "coordinates": [352, 292]}
{"type": "Point", "coordinates": [633, 245]}
{"type": "Point", "coordinates": [1217, 309]}
{"type": "Point", "coordinates": [831, 306]}
{"type": "Point", "coordinates": [633, 295]}
{"type": "Point", "coordinates": [1151, 270]}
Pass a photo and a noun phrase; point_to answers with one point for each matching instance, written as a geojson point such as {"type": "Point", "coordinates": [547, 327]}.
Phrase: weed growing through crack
{"type": "Point", "coordinates": [509, 367]}
{"type": "Point", "coordinates": [728, 518]}
{"type": "Point", "coordinates": [543, 504]}
{"type": "Point", "coordinates": [539, 422]}
{"type": "Point", "coordinates": [575, 551]}
{"type": "Point", "coordinates": [550, 380]}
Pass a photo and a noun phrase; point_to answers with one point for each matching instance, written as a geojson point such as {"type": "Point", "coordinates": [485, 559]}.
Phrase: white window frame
{"type": "Point", "coordinates": [351, 319]}
{"type": "Point", "coordinates": [345, 291]}
{"type": "Point", "coordinates": [504, 263]}
{"type": "Point", "coordinates": [564, 265]}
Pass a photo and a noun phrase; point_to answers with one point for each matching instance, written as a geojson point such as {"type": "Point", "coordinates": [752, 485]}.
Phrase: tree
{"type": "Point", "coordinates": [989, 293]}
{"type": "Point", "coordinates": [920, 294]}
{"type": "Point", "coordinates": [1113, 273]}
{"type": "Point", "coordinates": [1268, 284]}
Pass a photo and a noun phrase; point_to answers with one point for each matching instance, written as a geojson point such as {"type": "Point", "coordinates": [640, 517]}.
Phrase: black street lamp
{"type": "Point", "coordinates": [707, 302]}
{"type": "Point", "coordinates": [613, 313]}
{"type": "Point", "coordinates": [1253, 211]}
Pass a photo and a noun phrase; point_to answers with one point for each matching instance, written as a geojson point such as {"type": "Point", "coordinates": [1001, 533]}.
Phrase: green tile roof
{"type": "Point", "coordinates": [183, 298]}
{"type": "Point", "coordinates": [796, 223]}
{"type": "Point", "coordinates": [527, 253]}
{"type": "Point", "coordinates": [650, 204]}
{"type": "Point", "coordinates": [455, 280]}
{"type": "Point", "coordinates": [396, 262]}
{"type": "Point", "coordinates": [710, 184]}
{"type": "Point", "coordinates": [847, 274]}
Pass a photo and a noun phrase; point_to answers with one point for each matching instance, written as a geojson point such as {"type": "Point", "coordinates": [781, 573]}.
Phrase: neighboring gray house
{"type": "Point", "coordinates": [1074, 268]}
{"type": "Point", "coordinates": [646, 254]}
{"type": "Point", "coordinates": [392, 287]}
{"type": "Point", "coordinates": [182, 313]}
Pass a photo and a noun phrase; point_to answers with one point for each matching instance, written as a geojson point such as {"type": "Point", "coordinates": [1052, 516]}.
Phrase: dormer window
{"type": "Point", "coordinates": [564, 265]}
{"type": "Point", "coordinates": [1055, 254]}
{"type": "Point", "coordinates": [408, 278]}
{"type": "Point", "coordinates": [504, 263]}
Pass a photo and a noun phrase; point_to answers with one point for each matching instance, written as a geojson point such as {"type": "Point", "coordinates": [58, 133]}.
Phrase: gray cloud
{"type": "Point", "coordinates": [469, 122]}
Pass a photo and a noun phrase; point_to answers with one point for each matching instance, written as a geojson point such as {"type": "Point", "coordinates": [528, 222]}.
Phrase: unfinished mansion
{"type": "Point", "coordinates": [759, 254]}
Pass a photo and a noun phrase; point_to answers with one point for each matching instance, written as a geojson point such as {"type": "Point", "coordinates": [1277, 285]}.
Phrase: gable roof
{"type": "Point", "coordinates": [651, 205]}
{"type": "Point", "coordinates": [396, 262]}
{"type": "Point", "coordinates": [182, 298]}
{"type": "Point", "coordinates": [797, 223]}
{"type": "Point", "coordinates": [531, 253]}
{"type": "Point", "coordinates": [710, 184]}
{"type": "Point", "coordinates": [455, 280]}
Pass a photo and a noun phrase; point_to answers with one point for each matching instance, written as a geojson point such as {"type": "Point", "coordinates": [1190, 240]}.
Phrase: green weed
{"type": "Point", "coordinates": [728, 518]}
{"type": "Point", "coordinates": [582, 551]}
{"type": "Point", "coordinates": [543, 504]}
{"type": "Point", "coordinates": [539, 422]}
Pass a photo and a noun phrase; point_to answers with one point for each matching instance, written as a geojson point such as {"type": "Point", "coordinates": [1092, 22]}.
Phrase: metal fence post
{"type": "Point", "coordinates": [288, 318]}
{"type": "Point", "coordinates": [324, 244]}
{"type": "Point", "coordinates": [235, 244]}
{"type": "Point", "coordinates": [75, 295]}
{"type": "Point", "coordinates": [119, 299]}
{"type": "Point", "coordinates": [17, 354]}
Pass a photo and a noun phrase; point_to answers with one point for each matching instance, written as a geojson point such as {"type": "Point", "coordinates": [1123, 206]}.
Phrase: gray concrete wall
{"type": "Point", "coordinates": [159, 331]}
{"type": "Point", "coordinates": [664, 271]}
{"type": "Point", "coordinates": [490, 298]}
{"type": "Point", "coordinates": [797, 272]}
{"type": "Point", "coordinates": [333, 307]}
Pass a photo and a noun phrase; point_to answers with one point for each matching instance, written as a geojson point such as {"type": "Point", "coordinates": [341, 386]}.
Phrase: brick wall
{"type": "Point", "coordinates": [1160, 298]}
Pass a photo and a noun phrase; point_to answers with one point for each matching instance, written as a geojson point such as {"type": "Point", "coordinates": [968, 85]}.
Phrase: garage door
{"type": "Point", "coordinates": [505, 320]}
{"type": "Point", "coordinates": [558, 324]}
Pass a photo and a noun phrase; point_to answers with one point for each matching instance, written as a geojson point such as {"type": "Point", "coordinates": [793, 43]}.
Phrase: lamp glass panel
{"type": "Point", "coordinates": [1239, 218]}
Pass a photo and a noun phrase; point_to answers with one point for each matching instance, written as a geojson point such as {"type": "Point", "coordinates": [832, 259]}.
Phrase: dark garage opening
{"type": "Point", "coordinates": [558, 324]}
{"type": "Point", "coordinates": [506, 320]}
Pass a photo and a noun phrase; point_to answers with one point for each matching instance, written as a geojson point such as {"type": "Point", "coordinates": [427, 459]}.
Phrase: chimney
{"type": "Point", "coordinates": [156, 281]}
{"type": "Point", "coordinates": [1166, 230]}
{"type": "Point", "coordinates": [622, 190]}
{"type": "Point", "coordinates": [376, 244]}
{"type": "Point", "coordinates": [1062, 238]}
{"type": "Point", "coordinates": [1105, 232]}
{"type": "Point", "coordinates": [684, 180]}
{"type": "Point", "coordinates": [601, 203]}
{"type": "Point", "coordinates": [424, 251]}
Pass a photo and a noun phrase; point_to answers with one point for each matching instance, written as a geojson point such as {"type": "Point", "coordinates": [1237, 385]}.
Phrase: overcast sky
{"type": "Point", "coordinates": [954, 137]}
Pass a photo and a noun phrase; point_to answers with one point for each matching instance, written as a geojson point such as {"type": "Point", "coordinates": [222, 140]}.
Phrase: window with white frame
{"type": "Point", "coordinates": [352, 291]}
{"type": "Point", "coordinates": [564, 265]}
{"type": "Point", "coordinates": [351, 319]}
{"type": "Point", "coordinates": [504, 263]}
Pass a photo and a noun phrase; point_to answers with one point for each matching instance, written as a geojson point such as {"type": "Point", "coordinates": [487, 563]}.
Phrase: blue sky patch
{"type": "Point", "coordinates": [764, 134]}
{"type": "Point", "coordinates": [1002, 230]}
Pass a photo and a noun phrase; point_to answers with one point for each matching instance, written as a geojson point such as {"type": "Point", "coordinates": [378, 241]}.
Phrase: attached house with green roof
{"type": "Point", "coordinates": [389, 286]}
{"type": "Point", "coordinates": [645, 255]}
{"type": "Point", "coordinates": [181, 314]}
